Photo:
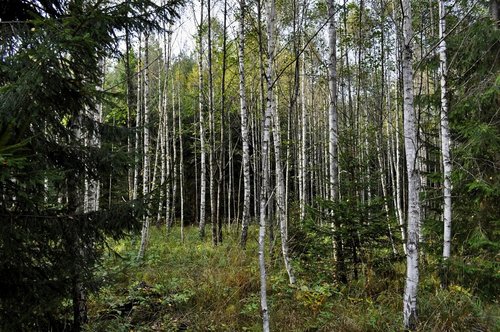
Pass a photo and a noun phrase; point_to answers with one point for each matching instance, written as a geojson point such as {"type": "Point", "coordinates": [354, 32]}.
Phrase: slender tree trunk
{"type": "Point", "coordinates": [384, 179]}
{"type": "Point", "coordinates": [157, 148]}
{"type": "Point", "coordinates": [280, 194]}
{"type": "Point", "coordinates": [167, 138]}
{"type": "Point", "coordinates": [293, 104]}
{"type": "Point", "coordinates": [138, 119]}
{"type": "Point", "coordinates": [411, 150]}
{"type": "Point", "coordinates": [271, 17]}
{"type": "Point", "coordinates": [76, 205]}
{"type": "Point", "coordinates": [384, 194]}
{"type": "Point", "coordinates": [162, 99]}
{"type": "Point", "coordinates": [145, 178]}
{"type": "Point", "coordinates": [445, 143]}
{"type": "Point", "coordinates": [203, 167]}
{"type": "Point", "coordinates": [303, 140]}
{"type": "Point", "coordinates": [92, 139]}
{"type": "Point", "coordinates": [211, 123]}
{"type": "Point", "coordinates": [256, 178]}
{"type": "Point", "coordinates": [333, 133]}
{"type": "Point", "coordinates": [181, 163]}
{"type": "Point", "coordinates": [244, 128]}
{"type": "Point", "coordinates": [221, 163]}
{"type": "Point", "coordinates": [79, 306]}
{"type": "Point", "coordinates": [174, 156]}
{"type": "Point", "coordinates": [396, 145]}
{"type": "Point", "coordinates": [128, 72]}
{"type": "Point", "coordinates": [161, 130]}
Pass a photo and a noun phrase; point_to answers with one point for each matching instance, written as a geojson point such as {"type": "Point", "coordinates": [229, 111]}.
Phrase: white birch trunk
{"type": "Point", "coordinates": [161, 130]}
{"type": "Point", "coordinates": [271, 16]}
{"type": "Point", "coordinates": [174, 155]}
{"type": "Point", "coordinates": [332, 123]}
{"type": "Point", "coordinates": [138, 120]}
{"type": "Point", "coordinates": [244, 128]}
{"type": "Point", "coordinates": [445, 134]}
{"type": "Point", "coordinates": [303, 136]}
{"type": "Point", "coordinates": [332, 107]}
{"type": "Point", "coordinates": [211, 125]}
{"type": "Point", "coordinates": [397, 147]}
{"type": "Point", "coordinates": [145, 178]}
{"type": "Point", "coordinates": [166, 126]}
{"type": "Point", "coordinates": [280, 194]}
{"type": "Point", "coordinates": [411, 150]}
{"type": "Point", "coordinates": [399, 201]}
{"type": "Point", "coordinates": [255, 165]}
{"type": "Point", "coordinates": [384, 194]}
{"type": "Point", "coordinates": [93, 186]}
{"type": "Point", "coordinates": [181, 165]}
{"type": "Point", "coordinates": [203, 167]}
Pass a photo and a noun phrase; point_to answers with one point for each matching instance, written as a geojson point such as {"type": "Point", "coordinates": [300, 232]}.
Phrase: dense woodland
{"type": "Point", "coordinates": [297, 165]}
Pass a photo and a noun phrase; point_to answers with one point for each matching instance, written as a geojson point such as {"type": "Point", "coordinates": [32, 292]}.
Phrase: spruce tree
{"type": "Point", "coordinates": [50, 75]}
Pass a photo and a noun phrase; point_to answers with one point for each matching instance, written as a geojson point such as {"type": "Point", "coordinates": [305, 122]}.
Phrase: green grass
{"type": "Point", "coordinates": [198, 287]}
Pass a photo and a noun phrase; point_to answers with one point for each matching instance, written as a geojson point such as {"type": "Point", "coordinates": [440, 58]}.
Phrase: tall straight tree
{"type": "Point", "coordinates": [222, 156]}
{"type": "Point", "coordinates": [181, 163]}
{"type": "Point", "coordinates": [138, 120]}
{"type": "Point", "coordinates": [244, 127]}
{"type": "Point", "coordinates": [280, 190]}
{"type": "Point", "coordinates": [271, 18]}
{"type": "Point", "coordinates": [279, 176]}
{"type": "Point", "coordinates": [333, 180]}
{"type": "Point", "coordinates": [445, 142]}
{"type": "Point", "coordinates": [411, 150]}
{"type": "Point", "coordinates": [146, 166]}
{"type": "Point", "coordinates": [203, 153]}
{"type": "Point", "coordinates": [332, 106]}
{"type": "Point", "coordinates": [211, 126]}
{"type": "Point", "coordinates": [303, 131]}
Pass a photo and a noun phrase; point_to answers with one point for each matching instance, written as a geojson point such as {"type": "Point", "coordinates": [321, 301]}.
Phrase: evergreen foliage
{"type": "Point", "coordinates": [50, 76]}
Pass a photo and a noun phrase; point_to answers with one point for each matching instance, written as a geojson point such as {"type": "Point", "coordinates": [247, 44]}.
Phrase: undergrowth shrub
{"type": "Point", "coordinates": [455, 309]}
{"type": "Point", "coordinates": [197, 287]}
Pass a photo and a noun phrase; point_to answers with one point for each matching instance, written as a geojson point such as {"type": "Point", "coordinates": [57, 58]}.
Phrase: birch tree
{"type": "Point", "coordinates": [411, 150]}
{"type": "Point", "coordinates": [303, 140]}
{"type": "Point", "coordinates": [333, 133]}
{"type": "Point", "coordinates": [445, 141]}
{"type": "Point", "coordinates": [138, 119]}
{"type": "Point", "coordinates": [181, 163]}
{"type": "Point", "coordinates": [203, 167]}
{"type": "Point", "coordinates": [280, 191]}
{"type": "Point", "coordinates": [145, 171]}
{"type": "Point", "coordinates": [244, 127]}
{"type": "Point", "coordinates": [332, 106]}
{"type": "Point", "coordinates": [211, 126]}
{"type": "Point", "coordinates": [271, 17]}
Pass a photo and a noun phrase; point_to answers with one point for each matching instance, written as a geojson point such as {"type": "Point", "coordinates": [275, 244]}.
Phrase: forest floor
{"type": "Point", "coordinates": [195, 286]}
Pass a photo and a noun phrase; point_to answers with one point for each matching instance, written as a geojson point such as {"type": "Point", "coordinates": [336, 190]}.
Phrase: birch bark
{"type": "Point", "coordinates": [145, 178]}
{"type": "Point", "coordinates": [181, 165]}
{"type": "Point", "coordinates": [138, 119]}
{"type": "Point", "coordinates": [211, 127]}
{"type": "Point", "coordinates": [411, 150]}
{"type": "Point", "coordinates": [445, 140]}
{"type": "Point", "coordinates": [244, 127]}
{"type": "Point", "coordinates": [333, 136]}
{"type": "Point", "coordinates": [203, 167]}
{"type": "Point", "coordinates": [271, 17]}
{"type": "Point", "coordinates": [280, 194]}
{"type": "Point", "coordinates": [332, 106]}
